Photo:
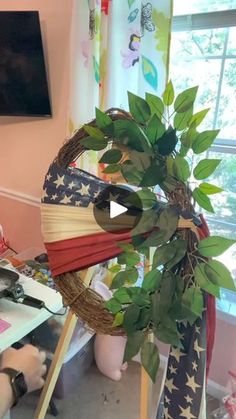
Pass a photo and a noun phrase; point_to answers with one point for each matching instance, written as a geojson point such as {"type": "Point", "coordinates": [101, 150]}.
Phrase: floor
{"type": "Point", "coordinates": [100, 398]}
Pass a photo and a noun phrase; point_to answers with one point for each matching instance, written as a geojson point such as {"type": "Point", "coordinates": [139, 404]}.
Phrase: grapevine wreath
{"type": "Point", "coordinates": [157, 147]}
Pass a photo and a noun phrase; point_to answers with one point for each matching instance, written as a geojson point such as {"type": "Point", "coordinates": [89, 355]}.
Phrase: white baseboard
{"type": "Point", "coordinates": [20, 197]}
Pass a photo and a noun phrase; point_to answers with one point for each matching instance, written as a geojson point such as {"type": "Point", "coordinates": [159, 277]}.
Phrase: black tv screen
{"type": "Point", "coordinates": [23, 78]}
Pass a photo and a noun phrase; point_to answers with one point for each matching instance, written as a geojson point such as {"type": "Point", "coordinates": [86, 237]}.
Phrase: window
{"type": "Point", "coordinates": [203, 52]}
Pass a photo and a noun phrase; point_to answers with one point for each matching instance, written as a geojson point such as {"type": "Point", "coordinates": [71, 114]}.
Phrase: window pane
{"type": "Point", "coordinates": [187, 70]}
{"type": "Point", "coordinates": [183, 7]}
{"type": "Point", "coordinates": [199, 44]}
{"type": "Point", "coordinates": [231, 43]}
{"type": "Point", "coordinates": [225, 176]}
{"type": "Point", "coordinates": [226, 117]}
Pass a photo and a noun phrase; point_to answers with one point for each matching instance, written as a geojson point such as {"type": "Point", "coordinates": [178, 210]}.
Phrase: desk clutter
{"type": "Point", "coordinates": [80, 354]}
{"type": "Point", "coordinates": [35, 267]}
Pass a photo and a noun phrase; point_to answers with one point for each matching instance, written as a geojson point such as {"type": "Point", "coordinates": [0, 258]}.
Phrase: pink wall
{"type": "Point", "coordinates": [29, 144]}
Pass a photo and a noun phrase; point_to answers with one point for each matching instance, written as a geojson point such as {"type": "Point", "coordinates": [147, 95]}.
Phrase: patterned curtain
{"type": "Point", "coordinates": [116, 46]}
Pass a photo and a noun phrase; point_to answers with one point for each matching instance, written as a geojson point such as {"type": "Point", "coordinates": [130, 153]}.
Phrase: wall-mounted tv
{"type": "Point", "coordinates": [23, 78]}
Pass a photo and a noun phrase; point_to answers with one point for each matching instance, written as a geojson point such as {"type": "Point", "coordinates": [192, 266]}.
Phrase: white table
{"type": "Point", "coordinates": [24, 319]}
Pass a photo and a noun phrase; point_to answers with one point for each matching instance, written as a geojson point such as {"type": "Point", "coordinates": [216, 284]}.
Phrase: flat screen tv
{"type": "Point", "coordinates": [23, 78]}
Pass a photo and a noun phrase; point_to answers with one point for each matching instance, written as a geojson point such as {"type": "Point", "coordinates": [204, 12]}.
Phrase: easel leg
{"type": "Point", "coordinates": [145, 396]}
{"type": "Point", "coordinates": [146, 391]}
{"type": "Point", "coordinates": [56, 365]}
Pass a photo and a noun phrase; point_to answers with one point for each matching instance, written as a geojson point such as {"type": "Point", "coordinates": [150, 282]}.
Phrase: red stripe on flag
{"type": "Point", "coordinates": [82, 252]}
{"type": "Point", "coordinates": [211, 307]}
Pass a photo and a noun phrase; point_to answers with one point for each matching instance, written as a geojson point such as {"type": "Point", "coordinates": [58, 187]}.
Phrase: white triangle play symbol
{"type": "Point", "coordinates": [116, 209]}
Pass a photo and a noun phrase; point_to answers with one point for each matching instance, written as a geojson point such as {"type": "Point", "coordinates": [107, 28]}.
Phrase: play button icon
{"type": "Point", "coordinates": [117, 209]}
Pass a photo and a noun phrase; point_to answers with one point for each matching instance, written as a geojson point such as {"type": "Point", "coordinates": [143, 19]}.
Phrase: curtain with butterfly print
{"type": "Point", "coordinates": [116, 46]}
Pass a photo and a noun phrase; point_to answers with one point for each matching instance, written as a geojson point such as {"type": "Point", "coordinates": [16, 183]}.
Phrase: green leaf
{"type": "Point", "coordinates": [167, 291]}
{"type": "Point", "coordinates": [146, 223]}
{"type": "Point", "coordinates": [141, 298]}
{"type": "Point", "coordinates": [112, 168]}
{"type": "Point", "coordinates": [143, 199]}
{"type": "Point", "coordinates": [220, 275]}
{"type": "Point", "coordinates": [154, 175]}
{"type": "Point", "coordinates": [127, 247]}
{"type": "Point", "coordinates": [209, 189]}
{"type": "Point", "coordinates": [155, 308]}
{"type": "Point", "coordinates": [202, 199]}
{"type": "Point", "coordinates": [131, 317]}
{"type": "Point", "coordinates": [113, 305]}
{"type": "Point", "coordinates": [169, 94]}
{"type": "Point", "coordinates": [111, 156]}
{"type": "Point", "coordinates": [167, 223]}
{"type": "Point", "coordinates": [198, 117]}
{"type": "Point", "coordinates": [150, 359]}
{"type": "Point", "coordinates": [119, 318]}
{"type": "Point", "coordinates": [129, 133]}
{"type": "Point", "coordinates": [187, 138]}
{"type": "Point", "coordinates": [155, 129]}
{"type": "Point", "coordinates": [144, 318]}
{"type": "Point", "coordinates": [185, 99]}
{"type": "Point", "coordinates": [130, 174]}
{"type": "Point", "coordinates": [214, 246]}
{"type": "Point", "coordinates": [204, 140]}
{"type": "Point", "coordinates": [167, 143]}
{"type": "Point", "coordinates": [167, 332]}
{"type": "Point", "coordinates": [139, 108]}
{"type": "Point", "coordinates": [183, 151]}
{"type": "Point", "coordinates": [132, 275]}
{"type": "Point", "coordinates": [122, 296]}
{"type": "Point", "coordinates": [181, 120]}
{"type": "Point", "coordinates": [170, 254]}
{"type": "Point", "coordinates": [181, 168]}
{"type": "Point", "coordinates": [95, 144]}
{"type": "Point", "coordinates": [193, 300]}
{"type": "Point", "coordinates": [205, 168]}
{"type": "Point", "coordinates": [152, 280]}
{"type": "Point", "coordinates": [169, 165]}
{"type": "Point", "coordinates": [133, 345]}
{"type": "Point", "coordinates": [156, 105]}
{"type": "Point", "coordinates": [94, 132]}
{"type": "Point", "coordinates": [119, 279]}
{"type": "Point", "coordinates": [155, 239]}
{"type": "Point", "coordinates": [115, 268]}
{"type": "Point", "coordinates": [204, 282]}
{"type": "Point", "coordinates": [104, 122]}
{"type": "Point", "coordinates": [128, 258]}
{"type": "Point", "coordinates": [180, 247]}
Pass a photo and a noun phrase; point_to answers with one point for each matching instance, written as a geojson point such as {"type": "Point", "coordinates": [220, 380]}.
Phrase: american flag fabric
{"type": "Point", "coordinates": [184, 391]}
{"type": "Point", "coordinates": [71, 186]}
{"type": "Point", "coordinates": [184, 394]}
{"type": "Point", "coordinates": [73, 239]}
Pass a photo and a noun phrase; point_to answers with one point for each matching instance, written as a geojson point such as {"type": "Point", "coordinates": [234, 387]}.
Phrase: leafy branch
{"type": "Point", "coordinates": [154, 145]}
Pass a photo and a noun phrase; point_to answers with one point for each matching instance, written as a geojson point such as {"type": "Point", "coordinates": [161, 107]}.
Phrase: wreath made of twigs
{"type": "Point", "coordinates": [176, 230]}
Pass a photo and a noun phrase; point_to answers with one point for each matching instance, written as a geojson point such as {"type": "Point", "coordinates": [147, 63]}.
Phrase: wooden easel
{"type": "Point", "coordinates": [55, 368]}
